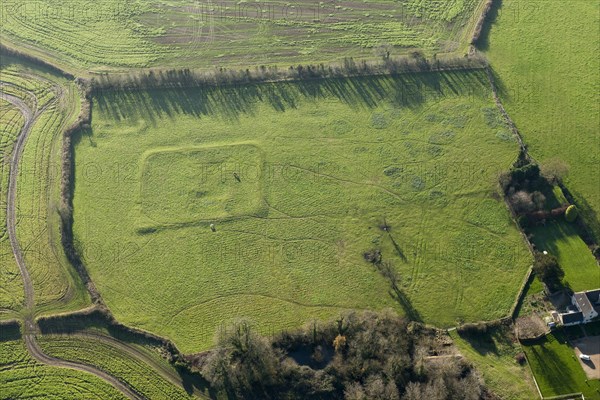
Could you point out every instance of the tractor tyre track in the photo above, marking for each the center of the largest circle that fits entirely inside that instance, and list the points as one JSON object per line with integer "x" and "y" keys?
{"x": 29, "y": 329}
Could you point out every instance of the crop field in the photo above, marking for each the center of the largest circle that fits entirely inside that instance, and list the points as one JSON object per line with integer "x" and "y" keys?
{"x": 299, "y": 180}
{"x": 23, "y": 378}
{"x": 116, "y": 34}
{"x": 134, "y": 373}
{"x": 55, "y": 283}
{"x": 494, "y": 355}
{"x": 550, "y": 79}
{"x": 557, "y": 370}
{"x": 11, "y": 286}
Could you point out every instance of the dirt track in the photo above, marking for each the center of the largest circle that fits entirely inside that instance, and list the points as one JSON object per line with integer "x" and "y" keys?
{"x": 30, "y": 117}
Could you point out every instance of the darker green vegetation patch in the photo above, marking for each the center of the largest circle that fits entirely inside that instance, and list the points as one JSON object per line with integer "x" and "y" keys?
{"x": 10, "y": 330}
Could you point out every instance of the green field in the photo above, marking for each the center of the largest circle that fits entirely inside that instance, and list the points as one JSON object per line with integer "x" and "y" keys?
{"x": 320, "y": 167}
{"x": 55, "y": 282}
{"x": 550, "y": 80}
{"x": 494, "y": 356}
{"x": 131, "y": 371}
{"x": 23, "y": 378}
{"x": 561, "y": 239}
{"x": 115, "y": 34}
{"x": 557, "y": 370}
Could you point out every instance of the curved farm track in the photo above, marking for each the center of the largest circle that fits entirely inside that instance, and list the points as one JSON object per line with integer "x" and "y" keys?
{"x": 30, "y": 117}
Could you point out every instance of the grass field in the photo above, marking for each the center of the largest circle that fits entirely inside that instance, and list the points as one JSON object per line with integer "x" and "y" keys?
{"x": 134, "y": 373}
{"x": 550, "y": 80}
{"x": 56, "y": 285}
{"x": 560, "y": 239}
{"x": 23, "y": 378}
{"x": 557, "y": 370}
{"x": 320, "y": 167}
{"x": 116, "y": 34}
{"x": 494, "y": 356}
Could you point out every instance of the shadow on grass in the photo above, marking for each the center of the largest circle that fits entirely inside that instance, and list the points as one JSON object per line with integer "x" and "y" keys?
{"x": 410, "y": 311}
{"x": 483, "y": 43}
{"x": 522, "y": 298}
{"x": 547, "y": 360}
{"x": 230, "y": 102}
{"x": 490, "y": 342}
{"x": 10, "y": 330}
{"x": 397, "y": 248}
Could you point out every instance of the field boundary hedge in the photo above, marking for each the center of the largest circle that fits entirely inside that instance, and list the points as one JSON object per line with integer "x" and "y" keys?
{"x": 480, "y": 22}
{"x": 66, "y": 191}
{"x": 35, "y": 60}
{"x": 521, "y": 293}
{"x": 100, "y": 316}
{"x": 187, "y": 78}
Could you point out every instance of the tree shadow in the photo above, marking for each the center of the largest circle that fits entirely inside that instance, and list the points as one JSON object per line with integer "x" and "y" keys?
{"x": 229, "y": 102}
{"x": 192, "y": 381}
{"x": 411, "y": 312}
{"x": 488, "y": 342}
{"x": 483, "y": 43}
{"x": 9, "y": 331}
{"x": 397, "y": 248}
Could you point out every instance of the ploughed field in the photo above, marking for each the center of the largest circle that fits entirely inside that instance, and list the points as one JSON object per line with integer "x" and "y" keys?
{"x": 194, "y": 33}
{"x": 299, "y": 181}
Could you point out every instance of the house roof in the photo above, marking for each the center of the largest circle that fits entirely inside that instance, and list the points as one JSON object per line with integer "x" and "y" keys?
{"x": 570, "y": 318}
{"x": 583, "y": 303}
{"x": 593, "y": 296}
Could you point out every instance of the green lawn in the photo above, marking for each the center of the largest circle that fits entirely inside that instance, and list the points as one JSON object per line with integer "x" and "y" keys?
{"x": 21, "y": 377}
{"x": 494, "y": 356}
{"x": 556, "y": 368}
{"x": 560, "y": 239}
{"x": 114, "y": 35}
{"x": 546, "y": 57}
{"x": 321, "y": 166}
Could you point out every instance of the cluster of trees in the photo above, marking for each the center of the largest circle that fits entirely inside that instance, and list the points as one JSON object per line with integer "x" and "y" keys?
{"x": 524, "y": 186}
{"x": 358, "y": 356}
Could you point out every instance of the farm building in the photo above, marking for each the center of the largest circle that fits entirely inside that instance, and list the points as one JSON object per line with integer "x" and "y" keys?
{"x": 588, "y": 306}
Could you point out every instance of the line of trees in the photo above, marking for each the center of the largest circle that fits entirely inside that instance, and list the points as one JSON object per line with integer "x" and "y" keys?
{"x": 186, "y": 77}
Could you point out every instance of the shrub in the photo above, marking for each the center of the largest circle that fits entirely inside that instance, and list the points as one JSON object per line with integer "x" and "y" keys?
{"x": 571, "y": 213}
{"x": 520, "y": 358}
{"x": 547, "y": 269}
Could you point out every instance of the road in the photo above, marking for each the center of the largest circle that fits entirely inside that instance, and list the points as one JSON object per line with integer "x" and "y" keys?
{"x": 30, "y": 328}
